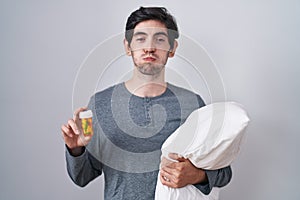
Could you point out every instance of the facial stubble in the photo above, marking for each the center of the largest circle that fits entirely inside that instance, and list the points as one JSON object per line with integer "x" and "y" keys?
{"x": 151, "y": 69}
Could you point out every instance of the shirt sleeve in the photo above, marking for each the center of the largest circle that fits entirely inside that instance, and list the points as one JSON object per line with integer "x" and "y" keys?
{"x": 82, "y": 169}
{"x": 201, "y": 103}
{"x": 216, "y": 178}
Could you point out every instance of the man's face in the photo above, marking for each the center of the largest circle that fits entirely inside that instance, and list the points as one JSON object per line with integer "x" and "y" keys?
{"x": 150, "y": 47}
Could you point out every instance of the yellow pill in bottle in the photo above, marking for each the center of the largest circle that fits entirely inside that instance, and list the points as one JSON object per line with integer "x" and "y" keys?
{"x": 86, "y": 122}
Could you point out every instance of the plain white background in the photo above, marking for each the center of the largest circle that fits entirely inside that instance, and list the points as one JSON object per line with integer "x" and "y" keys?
{"x": 255, "y": 45}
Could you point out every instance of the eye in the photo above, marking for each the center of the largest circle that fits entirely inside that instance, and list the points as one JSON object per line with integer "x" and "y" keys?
{"x": 161, "y": 39}
{"x": 140, "y": 39}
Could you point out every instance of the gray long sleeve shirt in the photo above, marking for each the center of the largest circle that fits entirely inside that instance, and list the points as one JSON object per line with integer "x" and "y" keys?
{"x": 128, "y": 134}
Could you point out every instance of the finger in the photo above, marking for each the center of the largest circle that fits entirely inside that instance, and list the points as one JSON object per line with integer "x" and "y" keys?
{"x": 73, "y": 126}
{"x": 168, "y": 169}
{"x": 165, "y": 161}
{"x": 168, "y": 180}
{"x": 164, "y": 177}
{"x": 83, "y": 140}
{"x": 174, "y": 165}
{"x": 168, "y": 175}
{"x": 76, "y": 113}
{"x": 164, "y": 181}
{"x": 175, "y": 172}
{"x": 175, "y": 156}
{"x": 167, "y": 183}
{"x": 66, "y": 131}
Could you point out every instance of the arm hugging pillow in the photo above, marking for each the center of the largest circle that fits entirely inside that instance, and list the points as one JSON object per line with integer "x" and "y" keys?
{"x": 210, "y": 138}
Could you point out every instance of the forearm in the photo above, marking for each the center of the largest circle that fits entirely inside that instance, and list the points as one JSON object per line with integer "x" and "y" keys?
{"x": 215, "y": 178}
{"x": 223, "y": 176}
{"x": 82, "y": 168}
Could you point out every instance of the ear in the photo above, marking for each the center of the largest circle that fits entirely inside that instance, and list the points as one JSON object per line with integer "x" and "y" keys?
{"x": 127, "y": 47}
{"x": 172, "y": 51}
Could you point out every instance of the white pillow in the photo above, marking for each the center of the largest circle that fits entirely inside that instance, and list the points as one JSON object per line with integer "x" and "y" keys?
{"x": 210, "y": 138}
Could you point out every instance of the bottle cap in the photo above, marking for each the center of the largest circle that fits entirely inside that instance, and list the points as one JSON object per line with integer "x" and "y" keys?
{"x": 85, "y": 114}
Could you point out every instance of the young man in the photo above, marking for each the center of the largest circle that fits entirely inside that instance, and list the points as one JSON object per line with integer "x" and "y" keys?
{"x": 133, "y": 119}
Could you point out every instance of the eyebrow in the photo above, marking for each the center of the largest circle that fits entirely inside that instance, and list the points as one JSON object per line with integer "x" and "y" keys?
{"x": 161, "y": 33}
{"x": 143, "y": 33}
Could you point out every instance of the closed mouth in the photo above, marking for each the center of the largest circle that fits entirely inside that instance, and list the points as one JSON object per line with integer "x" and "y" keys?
{"x": 149, "y": 58}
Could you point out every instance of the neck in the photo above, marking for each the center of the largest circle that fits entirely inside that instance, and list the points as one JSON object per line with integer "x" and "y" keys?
{"x": 146, "y": 85}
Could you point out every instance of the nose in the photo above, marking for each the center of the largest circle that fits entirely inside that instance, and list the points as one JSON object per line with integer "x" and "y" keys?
{"x": 150, "y": 47}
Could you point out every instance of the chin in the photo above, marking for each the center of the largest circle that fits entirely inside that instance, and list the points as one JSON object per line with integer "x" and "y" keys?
{"x": 150, "y": 70}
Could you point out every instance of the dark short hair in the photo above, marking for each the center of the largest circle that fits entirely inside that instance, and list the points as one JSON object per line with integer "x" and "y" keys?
{"x": 152, "y": 13}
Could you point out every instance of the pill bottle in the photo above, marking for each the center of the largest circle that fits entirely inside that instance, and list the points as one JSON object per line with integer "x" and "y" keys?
{"x": 86, "y": 122}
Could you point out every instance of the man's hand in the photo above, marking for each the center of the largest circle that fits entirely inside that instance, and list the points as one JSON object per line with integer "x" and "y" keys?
{"x": 181, "y": 173}
{"x": 73, "y": 134}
